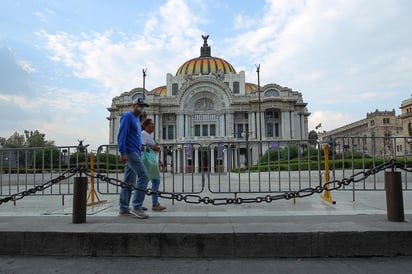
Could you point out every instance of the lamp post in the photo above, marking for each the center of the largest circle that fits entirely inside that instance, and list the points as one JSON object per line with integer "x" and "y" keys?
{"x": 260, "y": 119}
{"x": 144, "y": 82}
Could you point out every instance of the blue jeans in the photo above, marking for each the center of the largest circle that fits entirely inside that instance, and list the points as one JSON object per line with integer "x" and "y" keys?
{"x": 134, "y": 168}
{"x": 155, "y": 187}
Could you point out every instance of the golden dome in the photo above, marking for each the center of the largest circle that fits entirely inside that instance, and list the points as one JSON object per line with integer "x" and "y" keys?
{"x": 205, "y": 64}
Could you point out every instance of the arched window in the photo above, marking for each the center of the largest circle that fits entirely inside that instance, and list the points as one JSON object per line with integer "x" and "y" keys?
{"x": 272, "y": 93}
{"x": 137, "y": 95}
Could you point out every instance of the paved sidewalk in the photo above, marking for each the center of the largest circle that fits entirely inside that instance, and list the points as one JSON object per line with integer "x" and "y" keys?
{"x": 347, "y": 203}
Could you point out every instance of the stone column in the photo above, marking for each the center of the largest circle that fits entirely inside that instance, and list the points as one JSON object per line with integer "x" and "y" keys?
{"x": 212, "y": 159}
{"x": 254, "y": 124}
{"x": 229, "y": 124}
{"x": 111, "y": 127}
{"x": 262, "y": 115}
{"x": 195, "y": 158}
{"x": 179, "y": 125}
{"x": 225, "y": 160}
{"x": 159, "y": 128}
{"x": 185, "y": 123}
{"x": 221, "y": 126}
{"x": 293, "y": 121}
{"x": 285, "y": 125}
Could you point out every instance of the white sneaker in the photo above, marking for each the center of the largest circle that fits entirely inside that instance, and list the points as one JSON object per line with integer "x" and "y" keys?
{"x": 139, "y": 213}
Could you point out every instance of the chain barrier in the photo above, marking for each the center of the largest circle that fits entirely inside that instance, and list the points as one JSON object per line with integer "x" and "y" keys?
{"x": 197, "y": 199}
{"x": 64, "y": 176}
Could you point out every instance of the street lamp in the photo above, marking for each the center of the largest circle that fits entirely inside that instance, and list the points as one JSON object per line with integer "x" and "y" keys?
{"x": 144, "y": 82}
{"x": 260, "y": 119}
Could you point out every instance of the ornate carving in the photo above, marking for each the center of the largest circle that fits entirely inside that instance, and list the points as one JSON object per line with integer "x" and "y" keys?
{"x": 220, "y": 76}
{"x": 204, "y": 104}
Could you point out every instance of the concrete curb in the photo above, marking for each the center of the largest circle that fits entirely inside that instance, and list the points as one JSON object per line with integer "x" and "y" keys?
{"x": 190, "y": 237}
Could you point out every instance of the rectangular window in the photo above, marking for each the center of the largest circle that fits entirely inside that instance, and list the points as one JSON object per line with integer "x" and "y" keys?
{"x": 197, "y": 130}
{"x": 164, "y": 132}
{"x": 269, "y": 130}
{"x": 236, "y": 87}
{"x": 175, "y": 88}
{"x": 276, "y": 129}
{"x": 205, "y": 131}
{"x": 212, "y": 130}
{"x": 239, "y": 130}
{"x": 170, "y": 132}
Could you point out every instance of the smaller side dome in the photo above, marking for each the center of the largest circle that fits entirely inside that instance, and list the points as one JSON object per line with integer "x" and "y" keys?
{"x": 159, "y": 90}
{"x": 249, "y": 87}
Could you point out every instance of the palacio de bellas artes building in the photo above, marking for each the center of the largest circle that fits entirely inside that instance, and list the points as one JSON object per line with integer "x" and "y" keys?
{"x": 208, "y": 102}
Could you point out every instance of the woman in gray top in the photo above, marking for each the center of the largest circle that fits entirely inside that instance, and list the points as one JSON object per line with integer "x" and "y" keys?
{"x": 149, "y": 142}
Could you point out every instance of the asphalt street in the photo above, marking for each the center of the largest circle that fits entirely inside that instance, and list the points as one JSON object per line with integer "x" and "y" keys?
{"x": 46, "y": 264}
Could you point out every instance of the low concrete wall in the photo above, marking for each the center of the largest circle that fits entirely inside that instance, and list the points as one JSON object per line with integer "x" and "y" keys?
{"x": 210, "y": 245}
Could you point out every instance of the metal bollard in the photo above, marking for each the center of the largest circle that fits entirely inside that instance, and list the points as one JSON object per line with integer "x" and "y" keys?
{"x": 79, "y": 200}
{"x": 394, "y": 197}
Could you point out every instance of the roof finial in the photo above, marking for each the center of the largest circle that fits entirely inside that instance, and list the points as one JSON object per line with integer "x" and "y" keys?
{"x": 205, "y": 37}
{"x": 205, "y": 49}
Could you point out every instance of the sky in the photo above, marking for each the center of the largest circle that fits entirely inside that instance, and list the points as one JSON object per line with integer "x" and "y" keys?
{"x": 62, "y": 62}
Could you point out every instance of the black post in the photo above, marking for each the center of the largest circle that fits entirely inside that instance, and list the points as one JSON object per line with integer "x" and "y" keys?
{"x": 394, "y": 197}
{"x": 79, "y": 200}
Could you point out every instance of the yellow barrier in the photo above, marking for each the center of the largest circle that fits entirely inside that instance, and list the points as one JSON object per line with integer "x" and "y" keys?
{"x": 92, "y": 194}
{"x": 327, "y": 195}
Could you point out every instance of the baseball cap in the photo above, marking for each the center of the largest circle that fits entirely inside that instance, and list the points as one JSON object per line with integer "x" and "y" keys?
{"x": 139, "y": 101}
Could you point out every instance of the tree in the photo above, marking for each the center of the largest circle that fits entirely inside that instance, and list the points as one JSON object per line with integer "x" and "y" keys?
{"x": 2, "y": 141}
{"x": 36, "y": 139}
{"x": 28, "y": 139}
{"x": 14, "y": 141}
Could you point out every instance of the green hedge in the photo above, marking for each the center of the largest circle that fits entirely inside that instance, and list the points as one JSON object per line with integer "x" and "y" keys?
{"x": 293, "y": 165}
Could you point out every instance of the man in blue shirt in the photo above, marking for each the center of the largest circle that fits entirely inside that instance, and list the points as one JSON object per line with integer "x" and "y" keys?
{"x": 129, "y": 141}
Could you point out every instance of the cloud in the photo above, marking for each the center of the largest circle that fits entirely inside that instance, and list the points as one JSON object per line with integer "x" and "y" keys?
{"x": 14, "y": 76}
{"x": 329, "y": 120}
{"x": 337, "y": 54}
{"x": 340, "y": 53}
{"x": 243, "y": 22}
{"x": 44, "y": 15}
{"x": 115, "y": 61}
{"x": 10, "y": 112}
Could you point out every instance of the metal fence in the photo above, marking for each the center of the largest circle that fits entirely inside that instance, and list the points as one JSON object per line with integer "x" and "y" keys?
{"x": 219, "y": 167}
{"x": 25, "y": 168}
